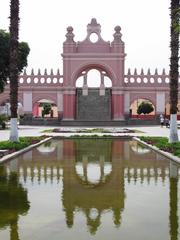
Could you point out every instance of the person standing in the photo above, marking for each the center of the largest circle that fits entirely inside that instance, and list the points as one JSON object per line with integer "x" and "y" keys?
{"x": 161, "y": 120}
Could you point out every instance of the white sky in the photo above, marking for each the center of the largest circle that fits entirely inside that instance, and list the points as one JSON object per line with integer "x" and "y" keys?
{"x": 144, "y": 23}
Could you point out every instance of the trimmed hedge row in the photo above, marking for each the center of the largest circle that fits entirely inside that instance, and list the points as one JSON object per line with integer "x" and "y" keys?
{"x": 23, "y": 143}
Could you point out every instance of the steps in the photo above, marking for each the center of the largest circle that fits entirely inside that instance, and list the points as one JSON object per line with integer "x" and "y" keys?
{"x": 79, "y": 123}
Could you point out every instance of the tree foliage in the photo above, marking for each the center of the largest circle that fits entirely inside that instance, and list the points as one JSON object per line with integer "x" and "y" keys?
{"x": 23, "y": 52}
{"x": 145, "y": 108}
{"x": 46, "y": 108}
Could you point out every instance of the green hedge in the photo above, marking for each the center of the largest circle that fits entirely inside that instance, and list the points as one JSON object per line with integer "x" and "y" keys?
{"x": 23, "y": 143}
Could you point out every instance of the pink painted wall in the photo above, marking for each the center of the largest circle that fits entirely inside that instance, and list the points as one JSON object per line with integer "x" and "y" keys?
{"x": 117, "y": 106}
{"x": 36, "y": 110}
{"x": 69, "y": 106}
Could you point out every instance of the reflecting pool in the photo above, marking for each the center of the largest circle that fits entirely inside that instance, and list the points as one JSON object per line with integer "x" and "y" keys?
{"x": 86, "y": 189}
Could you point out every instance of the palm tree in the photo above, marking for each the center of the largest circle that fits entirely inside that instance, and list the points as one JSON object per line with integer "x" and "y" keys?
{"x": 13, "y": 67}
{"x": 174, "y": 72}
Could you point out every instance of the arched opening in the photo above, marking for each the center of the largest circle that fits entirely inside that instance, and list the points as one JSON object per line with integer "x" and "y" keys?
{"x": 93, "y": 95}
{"x": 45, "y": 108}
{"x": 93, "y": 79}
{"x": 134, "y": 109}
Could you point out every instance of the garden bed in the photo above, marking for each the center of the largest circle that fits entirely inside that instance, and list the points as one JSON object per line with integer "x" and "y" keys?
{"x": 91, "y": 130}
{"x": 163, "y": 144}
{"x": 8, "y": 147}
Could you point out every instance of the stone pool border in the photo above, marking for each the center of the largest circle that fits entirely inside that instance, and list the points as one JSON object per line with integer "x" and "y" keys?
{"x": 17, "y": 153}
{"x": 166, "y": 154}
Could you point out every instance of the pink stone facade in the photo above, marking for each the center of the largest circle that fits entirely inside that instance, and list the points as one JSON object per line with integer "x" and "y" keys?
{"x": 80, "y": 57}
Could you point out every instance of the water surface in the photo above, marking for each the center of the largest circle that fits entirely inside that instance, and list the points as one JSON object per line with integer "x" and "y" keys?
{"x": 89, "y": 189}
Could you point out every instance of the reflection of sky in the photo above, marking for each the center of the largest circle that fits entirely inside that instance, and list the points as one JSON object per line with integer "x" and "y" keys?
{"x": 47, "y": 147}
{"x": 136, "y": 147}
{"x": 93, "y": 171}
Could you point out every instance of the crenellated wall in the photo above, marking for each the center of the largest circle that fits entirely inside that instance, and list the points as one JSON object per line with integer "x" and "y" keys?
{"x": 49, "y": 85}
{"x": 41, "y": 79}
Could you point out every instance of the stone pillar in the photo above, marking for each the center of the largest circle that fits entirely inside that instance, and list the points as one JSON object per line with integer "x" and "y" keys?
{"x": 102, "y": 87}
{"x": 60, "y": 104}
{"x": 85, "y": 86}
{"x": 117, "y": 105}
{"x": 127, "y": 104}
{"x": 69, "y": 104}
{"x": 27, "y": 103}
{"x": 160, "y": 103}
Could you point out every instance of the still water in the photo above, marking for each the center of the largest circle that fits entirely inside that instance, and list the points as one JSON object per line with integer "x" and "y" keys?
{"x": 89, "y": 189}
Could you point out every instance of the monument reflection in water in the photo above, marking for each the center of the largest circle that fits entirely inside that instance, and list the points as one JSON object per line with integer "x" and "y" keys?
{"x": 89, "y": 189}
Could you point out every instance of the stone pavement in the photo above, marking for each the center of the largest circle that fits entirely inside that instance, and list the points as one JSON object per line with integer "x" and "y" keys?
{"x": 38, "y": 130}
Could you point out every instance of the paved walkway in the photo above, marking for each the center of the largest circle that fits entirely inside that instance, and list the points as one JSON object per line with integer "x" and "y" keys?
{"x": 38, "y": 130}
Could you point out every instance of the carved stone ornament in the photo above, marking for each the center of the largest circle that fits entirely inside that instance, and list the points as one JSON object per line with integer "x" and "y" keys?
{"x": 117, "y": 35}
{"x": 70, "y": 35}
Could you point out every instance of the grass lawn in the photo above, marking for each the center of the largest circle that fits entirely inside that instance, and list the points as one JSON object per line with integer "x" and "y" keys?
{"x": 163, "y": 144}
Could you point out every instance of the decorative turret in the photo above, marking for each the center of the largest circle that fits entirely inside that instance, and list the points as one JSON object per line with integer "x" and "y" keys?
{"x": 135, "y": 71}
{"x": 24, "y": 72}
{"x": 32, "y": 72}
{"x": 149, "y": 71}
{"x": 129, "y": 71}
{"x": 39, "y": 71}
{"x": 94, "y": 27}
{"x": 69, "y": 45}
{"x": 58, "y": 72}
{"x": 93, "y": 42}
{"x": 117, "y": 35}
{"x": 163, "y": 71}
{"x": 45, "y": 71}
{"x": 117, "y": 44}
{"x": 142, "y": 71}
{"x": 69, "y": 35}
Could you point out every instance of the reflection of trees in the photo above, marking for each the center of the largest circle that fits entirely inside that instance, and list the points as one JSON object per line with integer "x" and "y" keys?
{"x": 173, "y": 203}
{"x": 13, "y": 202}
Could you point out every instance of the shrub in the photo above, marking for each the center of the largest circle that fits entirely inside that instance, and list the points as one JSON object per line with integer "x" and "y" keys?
{"x": 145, "y": 108}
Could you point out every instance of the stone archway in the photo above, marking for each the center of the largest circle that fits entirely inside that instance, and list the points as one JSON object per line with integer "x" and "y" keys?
{"x": 78, "y": 58}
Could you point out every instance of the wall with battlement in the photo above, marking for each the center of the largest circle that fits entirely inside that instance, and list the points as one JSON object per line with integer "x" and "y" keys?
{"x": 131, "y": 79}
{"x": 49, "y": 85}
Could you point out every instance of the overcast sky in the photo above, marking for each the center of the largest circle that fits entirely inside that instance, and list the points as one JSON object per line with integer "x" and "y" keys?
{"x": 144, "y": 23}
